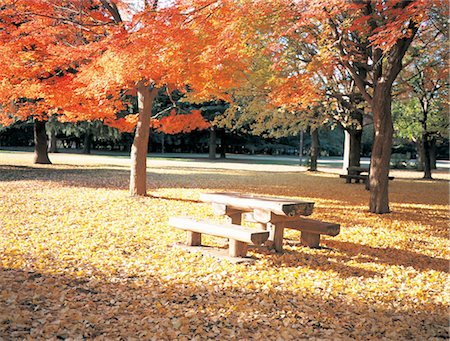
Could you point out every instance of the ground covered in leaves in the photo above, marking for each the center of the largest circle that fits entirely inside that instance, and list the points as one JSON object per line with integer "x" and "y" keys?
{"x": 80, "y": 259}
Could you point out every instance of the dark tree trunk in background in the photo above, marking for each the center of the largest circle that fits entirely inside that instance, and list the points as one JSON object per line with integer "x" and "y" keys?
{"x": 52, "y": 142}
{"x": 420, "y": 156}
{"x": 355, "y": 148}
{"x": 426, "y": 155}
{"x": 300, "y": 148}
{"x": 139, "y": 149}
{"x": 40, "y": 143}
{"x": 355, "y": 133}
{"x": 223, "y": 144}
{"x": 425, "y": 140}
{"x": 433, "y": 153}
{"x": 87, "y": 144}
{"x": 212, "y": 143}
{"x": 314, "y": 149}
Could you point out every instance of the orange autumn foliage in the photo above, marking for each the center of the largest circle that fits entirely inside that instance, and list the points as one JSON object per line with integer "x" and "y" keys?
{"x": 182, "y": 123}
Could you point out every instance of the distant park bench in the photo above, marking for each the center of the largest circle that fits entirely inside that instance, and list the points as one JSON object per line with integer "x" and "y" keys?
{"x": 358, "y": 174}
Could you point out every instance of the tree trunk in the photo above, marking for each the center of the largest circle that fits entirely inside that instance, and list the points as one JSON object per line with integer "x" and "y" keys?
{"x": 381, "y": 150}
{"x": 426, "y": 155}
{"x": 40, "y": 143}
{"x": 87, "y": 144}
{"x": 355, "y": 147}
{"x": 223, "y": 149}
{"x": 52, "y": 148}
{"x": 138, "y": 175}
{"x": 420, "y": 156}
{"x": 300, "y": 148}
{"x": 433, "y": 153}
{"x": 212, "y": 143}
{"x": 314, "y": 149}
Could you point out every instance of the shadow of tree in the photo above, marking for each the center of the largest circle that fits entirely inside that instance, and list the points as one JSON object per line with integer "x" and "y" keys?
{"x": 390, "y": 256}
{"x": 41, "y": 306}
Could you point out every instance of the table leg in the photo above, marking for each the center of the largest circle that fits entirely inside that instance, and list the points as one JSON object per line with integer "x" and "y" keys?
{"x": 234, "y": 217}
{"x": 277, "y": 236}
{"x": 310, "y": 239}
{"x": 237, "y": 248}
{"x": 194, "y": 238}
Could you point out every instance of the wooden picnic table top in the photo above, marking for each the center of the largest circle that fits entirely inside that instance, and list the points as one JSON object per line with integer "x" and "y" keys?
{"x": 250, "y": 202}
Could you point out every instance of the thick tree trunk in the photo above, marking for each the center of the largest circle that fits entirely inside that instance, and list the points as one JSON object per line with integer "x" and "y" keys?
{"x": 40, "y": 143}
{"x": 355, "y": 147}
{"x": 138, "y": 175}
{"x": 87, "y": 143}
{"x": 314, "y": 149}
{"x": 212, "y": 143}
{"x": 433, "y": 153}
{"x": 420, "y": 156}
{"x": 381, "y": 150}
{"x": 426, "y": 156}
{"x": 52, "y": 148}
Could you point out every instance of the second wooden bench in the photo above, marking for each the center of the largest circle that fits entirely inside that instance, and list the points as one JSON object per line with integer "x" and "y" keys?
{"x": 239, "y": 236}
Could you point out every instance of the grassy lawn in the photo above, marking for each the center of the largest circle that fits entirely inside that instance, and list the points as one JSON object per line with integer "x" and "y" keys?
{"x": 82, "y": 259}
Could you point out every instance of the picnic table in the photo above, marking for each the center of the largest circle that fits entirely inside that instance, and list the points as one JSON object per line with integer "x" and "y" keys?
{"x": 273, "y": 214}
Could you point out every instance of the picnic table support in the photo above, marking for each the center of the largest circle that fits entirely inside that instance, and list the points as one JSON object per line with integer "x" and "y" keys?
{"x": 194, "y": 238}
{"x": 310, "y": 239}
{"x": 237, "y": 248}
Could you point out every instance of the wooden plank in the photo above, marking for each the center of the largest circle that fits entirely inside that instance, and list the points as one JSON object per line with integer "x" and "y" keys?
{"x": 314, "y": 226}
{"x": 231, "y": 231}
{"x": 247, "y": 202}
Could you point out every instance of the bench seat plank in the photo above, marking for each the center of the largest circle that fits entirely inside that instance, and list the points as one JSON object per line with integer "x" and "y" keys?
{"x": 231, "y": 231}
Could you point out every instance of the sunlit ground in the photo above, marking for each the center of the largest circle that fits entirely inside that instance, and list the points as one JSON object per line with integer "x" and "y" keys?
{"x": 81, "y": 259}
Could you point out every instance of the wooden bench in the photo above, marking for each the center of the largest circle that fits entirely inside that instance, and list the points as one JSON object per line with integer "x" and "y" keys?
{"x": 239, "y": 236}
{"x": 358, "y": 174}
{"x": 310, "y": 229}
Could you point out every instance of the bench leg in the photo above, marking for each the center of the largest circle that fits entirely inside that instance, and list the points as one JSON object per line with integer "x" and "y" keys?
{"x": 237, "y": 248}
{"x": 194, "y": 238}
{"x": 310, "y": 239}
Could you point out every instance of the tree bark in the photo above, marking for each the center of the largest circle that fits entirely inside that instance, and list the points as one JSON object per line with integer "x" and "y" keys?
{"x": 314, "y": 149}
{"x": 426, "y": 156}
{"x": 420, "y": 156}
{"x": 223, "y": 149}
{"x": 139, "y": 149}
{"x": 52, "y": 148}
{"x": 87, "y": 143}
{"x": 355, "y": 148}
{"x": 300, "y": 148}
{"x": 433, "y": 153}
{"x": 381, "y": 150}
{"x": 212, "y": 143}
{"x": 40, "y": 143}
